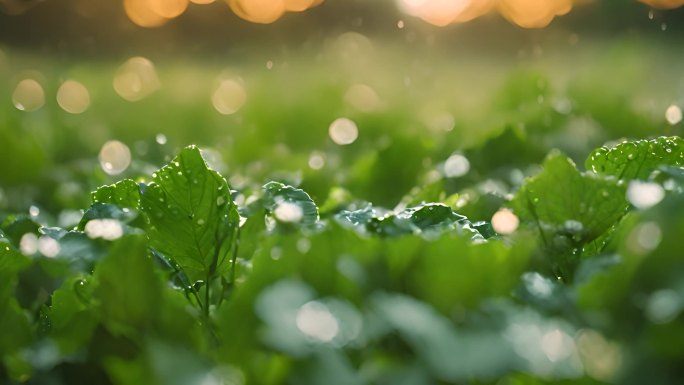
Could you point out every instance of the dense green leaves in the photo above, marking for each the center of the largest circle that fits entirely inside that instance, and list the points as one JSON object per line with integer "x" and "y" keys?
{"x": 637, "y": 159}
{"x": 192, "y": 217}
{"x": 189, "y": 292}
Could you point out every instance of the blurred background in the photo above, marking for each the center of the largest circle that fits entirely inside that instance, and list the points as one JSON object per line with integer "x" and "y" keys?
{"x": 371, "y": 95}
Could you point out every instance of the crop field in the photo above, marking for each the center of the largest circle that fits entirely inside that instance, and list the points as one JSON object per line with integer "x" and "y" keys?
{"x": 355, "y": 207}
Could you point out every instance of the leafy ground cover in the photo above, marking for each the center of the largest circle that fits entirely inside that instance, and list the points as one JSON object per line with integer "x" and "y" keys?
{"x": 451, "y": 243}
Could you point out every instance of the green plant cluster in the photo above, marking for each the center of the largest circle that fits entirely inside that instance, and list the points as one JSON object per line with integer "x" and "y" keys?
{"x": 179, "y": 279}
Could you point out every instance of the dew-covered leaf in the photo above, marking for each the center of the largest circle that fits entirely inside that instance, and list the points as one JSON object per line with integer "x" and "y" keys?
{"x": 125, "y": 194}
{"x": 428, "y": 219}
{"x": 637, "y": 159}
{"x": 11, "y": 260}
{"x": 563, "y": 201}
{"x": 192, "y": 217}
{"x": 289, "y": 204}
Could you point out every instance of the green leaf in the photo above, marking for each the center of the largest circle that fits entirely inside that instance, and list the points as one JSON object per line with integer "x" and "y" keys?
{"x": 13, "y": 318}
{"x": 107, "y": 211}
{"x": 562, "y": 200}
{"x": 192, "y": 217}
{"x": 11, "y": 261}
{"x": 637, "y": 159}
{"x": 428, "y": 219}
{"x": 72, "y": 319}
{"x": 127, "y": 288}
{"x": 277, "y": 194}
{"x": 569, "y": 208}
{"x": 125, "y": 194}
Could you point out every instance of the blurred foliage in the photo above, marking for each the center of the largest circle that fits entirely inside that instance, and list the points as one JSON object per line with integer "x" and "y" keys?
{"x": 293, "y": 259}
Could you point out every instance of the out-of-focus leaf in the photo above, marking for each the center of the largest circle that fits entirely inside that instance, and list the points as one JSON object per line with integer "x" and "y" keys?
{"x": 637, "y": 159}
{"x": 192, "y": 217}
{"x": 127, "y": 287}
{"x": 72, "y": 318}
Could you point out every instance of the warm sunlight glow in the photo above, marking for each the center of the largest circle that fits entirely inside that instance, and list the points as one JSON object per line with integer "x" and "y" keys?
{"x": 168, "y": 8}
{"x": 268, "y": 11}
{"x": 664, "y": 4}
{"x": 258, "y": 11}
{"x": 141, "y": 14}
{"x": 524, "y": 13}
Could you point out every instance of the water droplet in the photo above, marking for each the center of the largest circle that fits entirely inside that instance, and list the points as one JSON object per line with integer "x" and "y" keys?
{"x": 220, "y": 201}
{"x": 200, "y": 221}
{"x": 160, "y": 139}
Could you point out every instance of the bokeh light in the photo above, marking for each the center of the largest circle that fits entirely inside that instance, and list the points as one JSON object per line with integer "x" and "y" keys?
{"x": 268, "y": 11}
{"x": 673, "y": 114}
{"x": 136, "y": 79}
{"x": 362, "y": 97}
{"x": 141, "y": 13}
{"x": 73, "y": 97}
{"x": 28, "y": 95}
{"x": 168, "y": 8}
{"x": 524, "y": 13}
{"x": 456, "y": 166}
{"x": 664, "y": 4}
{"x": 644, "y": 194}
{"x": 108, "y": 229}
{"x": 315, "y": 320}
{"x": 115, "y": 157}
{"x": 343, "y": 131}
{"x": 505, "y": 222}
{"x": 229, "y": 97}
